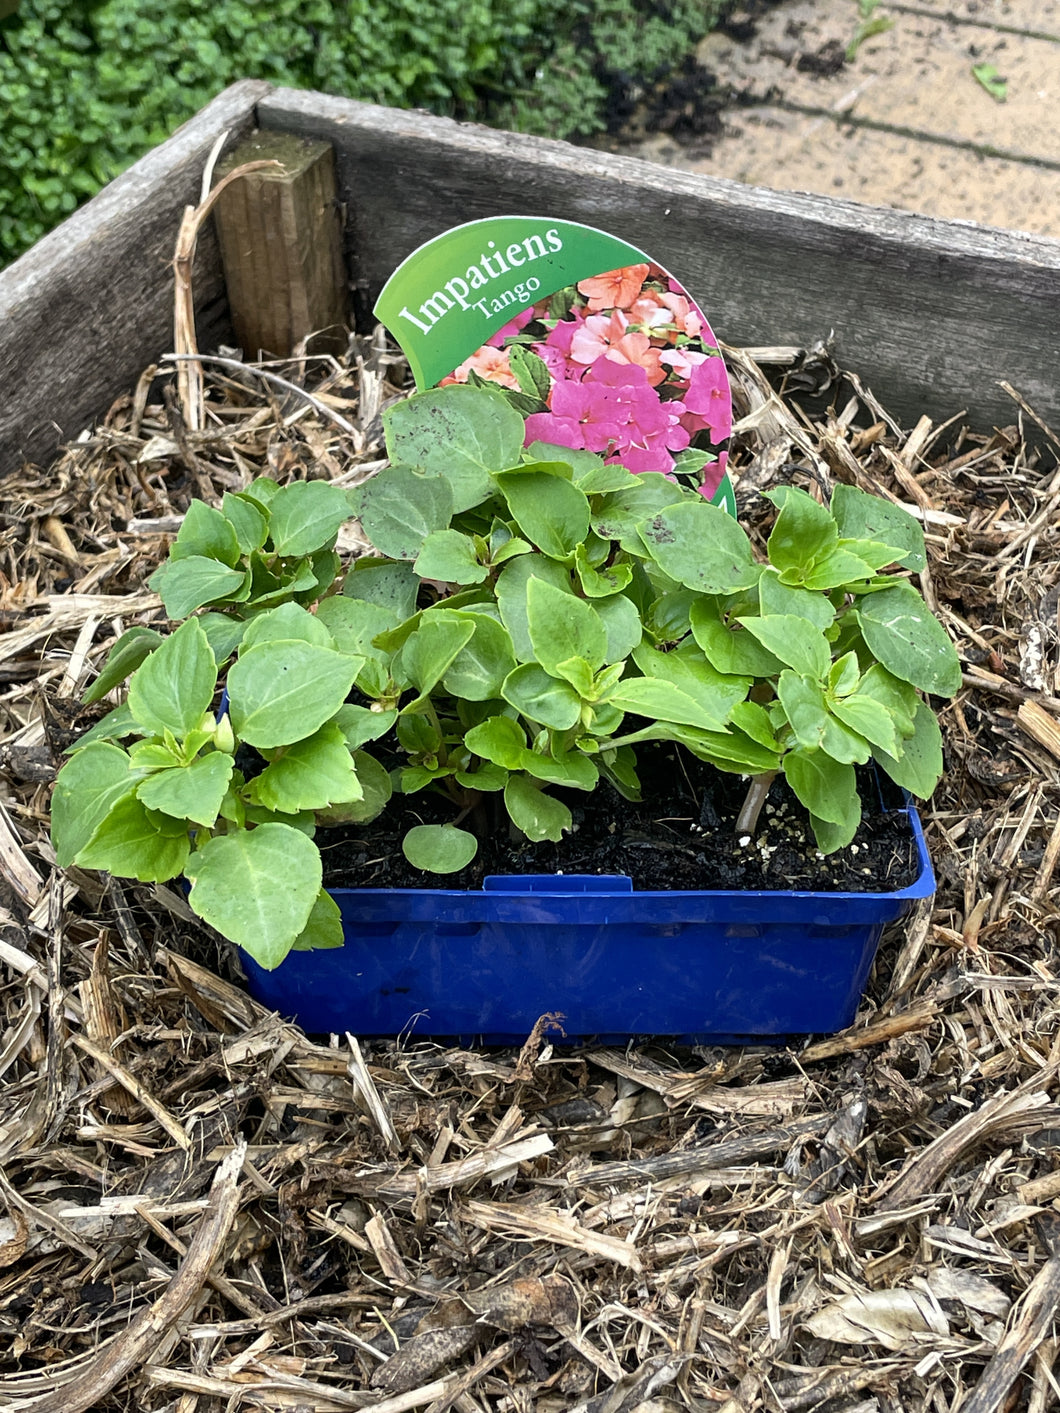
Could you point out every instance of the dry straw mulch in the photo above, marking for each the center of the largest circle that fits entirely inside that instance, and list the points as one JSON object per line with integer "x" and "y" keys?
{"x": 207, "y": 1210}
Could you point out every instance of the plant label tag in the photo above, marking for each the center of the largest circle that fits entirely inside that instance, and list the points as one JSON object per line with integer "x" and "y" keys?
{"x": 599, "y": 346}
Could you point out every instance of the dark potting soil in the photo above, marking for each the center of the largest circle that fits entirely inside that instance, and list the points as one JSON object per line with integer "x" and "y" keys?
{"x": 680, "y": 836}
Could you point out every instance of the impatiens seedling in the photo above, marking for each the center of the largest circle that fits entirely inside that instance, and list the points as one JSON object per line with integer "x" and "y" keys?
{"x": 534, "y": 613}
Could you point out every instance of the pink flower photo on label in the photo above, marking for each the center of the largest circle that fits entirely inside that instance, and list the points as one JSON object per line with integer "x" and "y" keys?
{"x": 626, "y": 367}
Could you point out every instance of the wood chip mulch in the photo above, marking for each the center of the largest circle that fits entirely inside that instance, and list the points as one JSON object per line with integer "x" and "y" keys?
{"x": 203, "y": 1209}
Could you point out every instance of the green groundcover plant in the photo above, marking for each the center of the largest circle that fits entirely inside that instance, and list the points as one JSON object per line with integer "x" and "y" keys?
{"x": 532, "y": 615}
{"x": 87, "y": 86}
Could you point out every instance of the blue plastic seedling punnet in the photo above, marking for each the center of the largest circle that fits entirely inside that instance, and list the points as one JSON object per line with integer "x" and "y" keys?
{"x": 484, "y": 965}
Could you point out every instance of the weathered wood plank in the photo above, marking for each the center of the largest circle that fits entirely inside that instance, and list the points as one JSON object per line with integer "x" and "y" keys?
{"x": 89, "y": 306}
{"x": 281, "y": 247}
{"x": 930, "y": 313}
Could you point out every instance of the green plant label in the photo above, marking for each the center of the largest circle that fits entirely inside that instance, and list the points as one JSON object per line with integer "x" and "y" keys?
{"x": 597, "y": 345}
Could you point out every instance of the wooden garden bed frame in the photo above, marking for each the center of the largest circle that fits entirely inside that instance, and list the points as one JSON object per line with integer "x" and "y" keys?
{"x": 931, "y": 314}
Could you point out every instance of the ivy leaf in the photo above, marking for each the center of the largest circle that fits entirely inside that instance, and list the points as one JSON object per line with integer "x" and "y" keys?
{"x": 902, "y": 632}
{"x": 538, "y": 815}
{"x": 450, "y": 557}
{"x": 193, "y": 791}
{"x": 130, "y": 650}
{"x": 323, "y": 931}
{"x": 205, "y": 531}
{"x": 135, "y": 842}
{"x": 439, "y": 848}
{"x": 305, "y": 516}
{"x": 308, "y": 775}
{"x": 257, "y": 887}
{"x": 702, "y": 547}
{"x": 458, "y": 432}
{"x": 400, "y": 506}
{"x": 187, "y": 584}
{"x": 87, "y": 788}
{"x": 173, "y": 688}
{"x": 282, "y": 691}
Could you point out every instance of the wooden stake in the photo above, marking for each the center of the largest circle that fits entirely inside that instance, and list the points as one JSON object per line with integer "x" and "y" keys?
{"x": 281, "y": 247}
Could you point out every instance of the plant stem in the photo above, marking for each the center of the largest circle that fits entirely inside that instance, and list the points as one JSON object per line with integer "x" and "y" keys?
{"x": 747, "y": 820}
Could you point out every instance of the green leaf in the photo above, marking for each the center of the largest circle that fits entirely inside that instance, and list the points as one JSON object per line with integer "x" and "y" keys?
{"x": 309, "y": 775}
{"x": 661, "y": 701}
{"x": 599, "y": 584}
{"x": 289, "y": 622}
{"x": 987, "y": 76}
{"x": 112, "y": 727}
{"x": 693, "y": 674}
{"x": 551, "y": 513}
{"x": 899, "y": 698}
{"x": 429, "y": 652}
{"x": 571, "y": 769}
{"x": 919, "y": 768}
{"x": 621, "y": 623}
{"x": 778, "y": 598}
{"x": 391, "y": 586}
{"x": 439, "y": 848}
{"x": 450, "y": 557}
{"x": 621, "y": 512}
{"x": 827, "y": 788}
{"x": 754, "y": 720}
{"x": 262, "y": 490}
{"x": 135, "y": 842}
{"x": 541, "y": 697}
{"x": 323, "y": 931}
{"x": 869, "y": 719}
{"x": 805, "y": 708}
{"x": 600, "y": 479}
{"x": 860, "y": 516}
{"x": 499, "y": 740}
{"x": 538, "y": 815}
{"x": 702, "y": 547}
{"x": 459, "y": 432}
{"x": 125, "y": 656}
{"x": 835, "y": 569}
{"x": 247, "y": 520}
{"x": 187, "y": 584}
{"x": 831, "y": 837}
{"x": 511, "y": 596}
{"x": 173, "y": 688}
{"x": 562, "y": 626}
{"x": 580, "y": 464}
{"x": 794, "y": 641}
{"x": 400, "y": 506}
{"x": 205, "y": 531}
{"x": 257, "y": 887}
{"x": 531, "y": 373}
{"x": 360, "y": 724}
{"x": 87, "y": 788}
{"x": 282, "y": 691}
{"x": 305, "y": 516}
{"x": 224, "y": 634}
{"x": 480, "y": 667}
{"x": 872, "y": 553}
{"x": 192, "y": 791}
{"x": 844, "y": 675}
{"x": 804, "y": 531}
{"x": 901, "y": 631}
{"x": 376, "y": 787}
{"x": 728, "y": 646}
{"x": 580, "y": 675}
